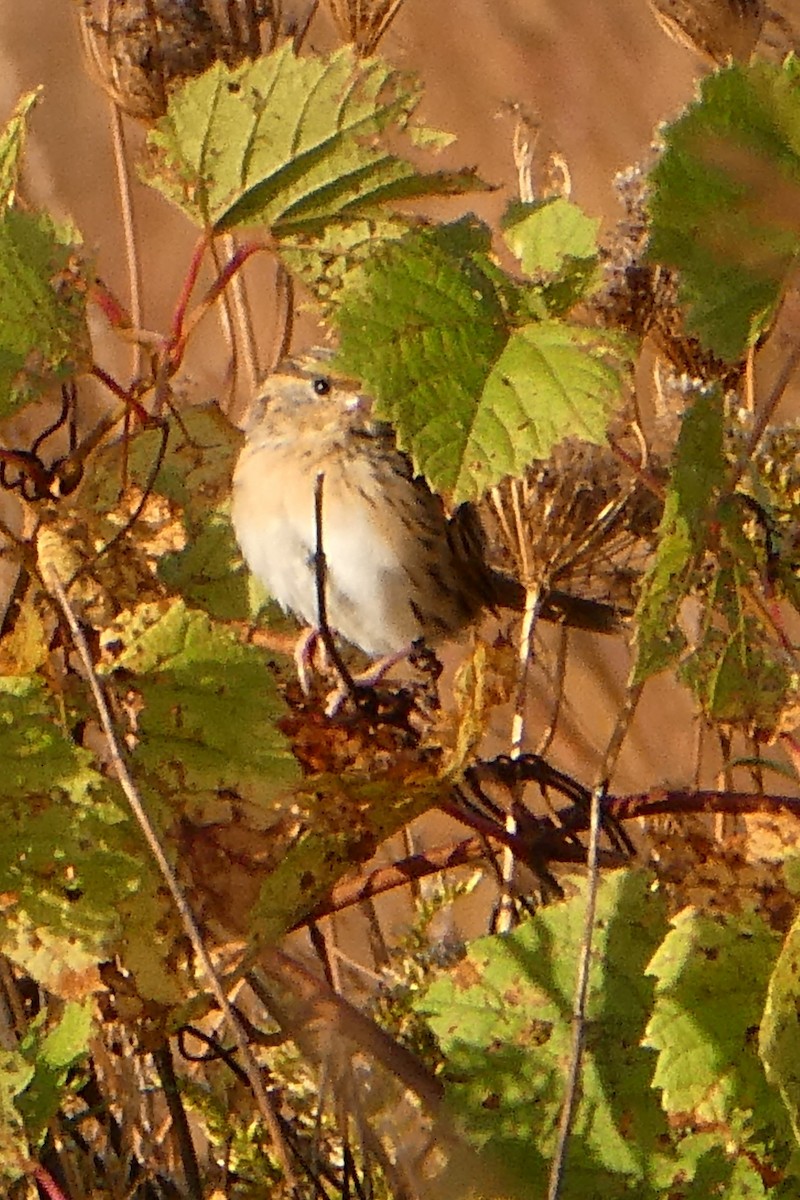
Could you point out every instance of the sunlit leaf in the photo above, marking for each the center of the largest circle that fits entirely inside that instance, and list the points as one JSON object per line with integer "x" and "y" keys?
{"x": 546, "y": 234}
{"x": 697, "y": 477}
{"x": 52, "y": 1053}
{"x": 290, "y": 142}
{"x": 502, "y": 1018}
{"x": 43, "y": 335}
{"x": 725, "y": 202}
{"x": 426, "y": 323}
{"x": 67, "y": 857}
{"x": 712, "y": 973}
{"x": 553, "y": 380}
{"x": 12, "y": 147}
{"x": 198, "y": 685}
{"x": 779, "y": 1040}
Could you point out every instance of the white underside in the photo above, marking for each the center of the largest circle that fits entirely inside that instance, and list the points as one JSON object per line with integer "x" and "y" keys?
{"x": 369, "y": 593}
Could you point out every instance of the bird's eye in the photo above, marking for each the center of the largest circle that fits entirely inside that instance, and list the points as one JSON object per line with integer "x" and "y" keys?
{"x": 321, "y": 385}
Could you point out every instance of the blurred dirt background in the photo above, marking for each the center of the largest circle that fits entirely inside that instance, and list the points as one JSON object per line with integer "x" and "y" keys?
{"x": 596, "y": 78}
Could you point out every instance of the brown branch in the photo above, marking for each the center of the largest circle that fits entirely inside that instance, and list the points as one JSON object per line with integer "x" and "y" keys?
{"x": 350, "y": 892}
{"x": 673, "y": 802}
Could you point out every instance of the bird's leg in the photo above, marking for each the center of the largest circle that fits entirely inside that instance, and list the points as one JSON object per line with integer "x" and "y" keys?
{"x": 366, "y": 679}
{"x": 304, "y": 657}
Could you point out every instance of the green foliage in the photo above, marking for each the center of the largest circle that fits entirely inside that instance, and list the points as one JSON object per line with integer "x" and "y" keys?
{"x": 35, "y": 1080}
{"x": 475, "y": 389}
{"x": 712, "y": 973}
{"x": 52, "y": 1052}
{"x": 689, "y": 1085}
{"x": 43, "y": 334}
{"x": 12, "y": 147}
{"x": 707, "y": 551}
{"x": 195, "y": 680}
{"x": 503, "y": 1022}
{"x": 725, "y": 198}
{"x": 548, "y": 236}
{"x": 696, "y": 1118}
{"x": 736, "y": 670}
{"x": 291, "y": 143}
{"x": 66, "y": 859}
{"x": 323, "y": 263}
{"x": 778, "y": 1037}
{"x": 698, "y": 475}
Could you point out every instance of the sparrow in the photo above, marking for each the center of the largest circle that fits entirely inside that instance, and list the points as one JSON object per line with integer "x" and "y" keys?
{"x": 399, "y": 567}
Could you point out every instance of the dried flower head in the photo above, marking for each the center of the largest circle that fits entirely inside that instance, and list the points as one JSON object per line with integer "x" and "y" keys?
{"x": 138, "y": 49}
{"x": 363, "y": 22}
{"x": 579, "y": 522}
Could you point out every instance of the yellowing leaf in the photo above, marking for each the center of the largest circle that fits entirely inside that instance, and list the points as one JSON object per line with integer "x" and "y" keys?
{"x": 547, "y": 233}
{"x": 12, "y": 147}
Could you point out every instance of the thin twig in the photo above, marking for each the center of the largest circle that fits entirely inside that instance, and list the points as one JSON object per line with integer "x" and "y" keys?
{"x": 128, "y": 230}
{"x": 284, "y": 302}
{"x": 559, "y": 675}
{"x": 620, "y": 731}
{"x": 579, "y": 1005}
{"x": 244, "y": 320}
{"x": 534, "y": 598}
{"x": 151, "y": 837}
{"x": 229, "y": 337}
{"x": 321, "y": 577}
{"x": 131, "y": 256}
{"x": 47, "y": 1183}
{"x": 771, "y": 403}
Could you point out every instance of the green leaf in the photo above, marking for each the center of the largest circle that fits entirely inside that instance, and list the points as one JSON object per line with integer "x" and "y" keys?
{"x": 15, "y": 1075}
{"x": 736, "y": 670}
{"x": 291, "y": 143}
{"x": 421, "y": 323}
{"x": 712, "y": 973}
{"x": 424, "y": 324}
{"x": 323, "y": 263}
{"x": 725, "y": 201}
{"x": 779, "y": 1037}
{"x": 68, "y": 858}
{"x": 552, "y": 381}
{"x": 698, "y": 474}
{"x": 52, "y": 1054}
{"x": 64, "y": 1045}
{"x": 197, "y": 474}
{"x": 196, "y": 682}
{"x": 44, "y": 339}
{"x": 502, "y": 1018}
{"x": 12, "y": 147}
{"x": 547, "y": 234}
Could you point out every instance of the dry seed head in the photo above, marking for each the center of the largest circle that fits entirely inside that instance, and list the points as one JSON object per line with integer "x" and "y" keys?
{"x": 363, "y": 22}
{"x": 137, "y": 49}
{"x": 586, "y": 524}
{"x": 719, "y": 30}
